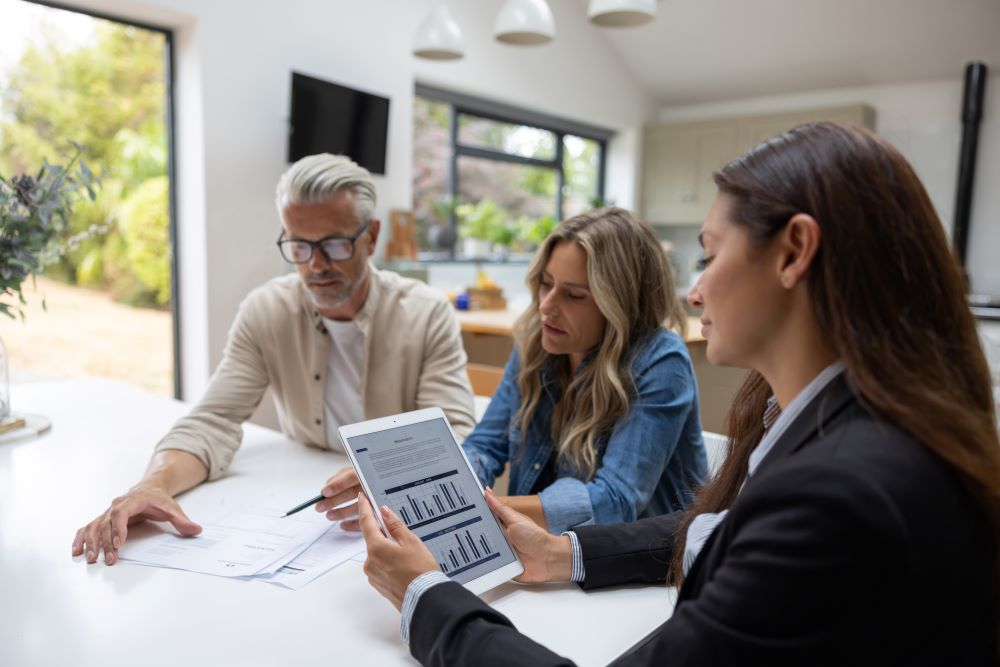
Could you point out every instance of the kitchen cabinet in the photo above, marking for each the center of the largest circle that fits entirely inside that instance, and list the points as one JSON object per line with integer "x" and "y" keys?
{"x": 678, "y": 166}
{"x": 680, "y": 158}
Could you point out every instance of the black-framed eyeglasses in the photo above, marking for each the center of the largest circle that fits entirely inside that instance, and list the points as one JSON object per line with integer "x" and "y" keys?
{"x": 334, "y": 248}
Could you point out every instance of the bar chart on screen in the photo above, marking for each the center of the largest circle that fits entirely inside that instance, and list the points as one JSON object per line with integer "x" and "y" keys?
{"x": 462, "y": 546}
{"x": 430, "y": 500}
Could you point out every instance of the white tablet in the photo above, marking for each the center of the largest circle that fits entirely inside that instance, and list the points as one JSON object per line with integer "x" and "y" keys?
{"x": 413, "y": 463}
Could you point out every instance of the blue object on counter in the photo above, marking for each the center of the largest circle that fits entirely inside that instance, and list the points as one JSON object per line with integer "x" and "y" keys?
{"x": 462, "y": 301}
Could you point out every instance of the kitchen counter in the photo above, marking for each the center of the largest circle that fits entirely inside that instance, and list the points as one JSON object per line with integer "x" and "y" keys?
{"x": 488, "y": 340}
{"x": 501, "y": 323}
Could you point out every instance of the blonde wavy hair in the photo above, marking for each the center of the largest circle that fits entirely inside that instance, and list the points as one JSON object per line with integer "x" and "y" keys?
{"x": 633, "y": 287}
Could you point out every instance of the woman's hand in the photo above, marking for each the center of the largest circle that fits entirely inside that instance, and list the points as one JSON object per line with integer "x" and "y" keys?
{"x": 392, "y": 566}
{"x": 546, "y": 557}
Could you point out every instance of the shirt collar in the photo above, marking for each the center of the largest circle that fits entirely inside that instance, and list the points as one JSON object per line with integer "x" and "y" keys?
{"x": 771, "y": 413}
{"x": 777, "y": 421}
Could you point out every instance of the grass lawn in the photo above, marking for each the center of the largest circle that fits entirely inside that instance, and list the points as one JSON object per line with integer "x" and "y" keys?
{"x": 84, "y": 333}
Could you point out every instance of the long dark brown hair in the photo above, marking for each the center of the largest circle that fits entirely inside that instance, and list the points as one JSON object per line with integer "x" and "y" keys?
{"x": 885, "y": 289}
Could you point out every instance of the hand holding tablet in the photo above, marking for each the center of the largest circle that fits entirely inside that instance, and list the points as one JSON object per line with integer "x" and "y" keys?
{"x": 412, "y": 464}
{"x": 545, "y": 557}
{"x": 392, "y": 565}
{"x": 394, "y": 562}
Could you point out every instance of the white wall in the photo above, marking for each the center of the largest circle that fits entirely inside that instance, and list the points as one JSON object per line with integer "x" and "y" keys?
{"x": 234, "y": 60}
{"x": 924, "y": 121}
{"x": 989, "y": 335}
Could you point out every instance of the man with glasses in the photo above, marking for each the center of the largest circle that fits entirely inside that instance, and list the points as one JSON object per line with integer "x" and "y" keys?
{"x": 338, "y": 342}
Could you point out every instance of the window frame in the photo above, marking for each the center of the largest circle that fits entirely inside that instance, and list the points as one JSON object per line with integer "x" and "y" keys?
{"x": 170, "y": 90}
{"x": 460, "y": 104}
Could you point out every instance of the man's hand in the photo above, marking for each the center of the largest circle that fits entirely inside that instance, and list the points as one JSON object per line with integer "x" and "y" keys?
{"x": 109, "y": 530}
{"x": 342, "y": 488}
{"x": 391, "y": 566}
{"x": 545, "y": 557}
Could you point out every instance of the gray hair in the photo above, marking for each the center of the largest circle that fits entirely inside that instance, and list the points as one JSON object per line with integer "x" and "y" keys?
{"x": 317, "y": 178}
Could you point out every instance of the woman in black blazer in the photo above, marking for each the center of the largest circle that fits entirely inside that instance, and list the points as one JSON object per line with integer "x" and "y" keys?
{"x": 855, "y": 519}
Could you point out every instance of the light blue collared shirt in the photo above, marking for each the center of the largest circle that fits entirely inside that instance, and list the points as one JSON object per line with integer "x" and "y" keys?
{"x": 417, "y": 588}
{"x": 776, "y": 422}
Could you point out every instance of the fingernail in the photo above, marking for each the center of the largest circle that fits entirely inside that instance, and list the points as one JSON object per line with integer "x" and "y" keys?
{"x": 116, "y": 543}
{"x": 90, "y": 555}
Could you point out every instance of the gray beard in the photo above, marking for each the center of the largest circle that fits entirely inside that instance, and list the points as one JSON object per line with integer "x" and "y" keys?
{"x": 331, "y": 298}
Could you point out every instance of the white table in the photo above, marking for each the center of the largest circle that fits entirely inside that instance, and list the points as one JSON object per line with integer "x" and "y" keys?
{"x": 57, "y": 610}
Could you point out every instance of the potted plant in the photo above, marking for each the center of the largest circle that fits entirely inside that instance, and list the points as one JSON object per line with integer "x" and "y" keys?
{"x": 34, "y": 219}
{"x": 479, "y": 226}
{"x": 503, "y": 237}
{"x": 532, "y": 231}
{"x": 440, "y": 234}
{"x": 598, "y": 201}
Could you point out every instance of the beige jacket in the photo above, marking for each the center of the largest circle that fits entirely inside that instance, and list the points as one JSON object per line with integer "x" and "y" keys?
{"x": 413, "y": 359}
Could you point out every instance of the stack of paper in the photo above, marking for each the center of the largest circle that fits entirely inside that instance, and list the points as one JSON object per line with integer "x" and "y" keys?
{"x": 334, "y": 547}
{"x": 251, "y": 541}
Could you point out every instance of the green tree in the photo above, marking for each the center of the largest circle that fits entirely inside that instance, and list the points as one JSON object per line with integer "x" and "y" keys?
{"x": 538, "y": 182}
{"x": 581, "y": 166}
{"x": 144, "y": 228}
{"x": 100, "y": 94}
{"x": 107, "y": 94}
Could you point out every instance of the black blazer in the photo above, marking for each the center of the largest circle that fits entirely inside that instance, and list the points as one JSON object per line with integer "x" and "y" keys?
{"x": 852, "y": 544}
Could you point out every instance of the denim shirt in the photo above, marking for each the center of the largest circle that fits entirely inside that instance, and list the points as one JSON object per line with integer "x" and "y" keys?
{"x": 649, "y": 465}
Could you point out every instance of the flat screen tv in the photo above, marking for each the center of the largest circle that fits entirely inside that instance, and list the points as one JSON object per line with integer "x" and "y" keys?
{"x": 330, "y": 118}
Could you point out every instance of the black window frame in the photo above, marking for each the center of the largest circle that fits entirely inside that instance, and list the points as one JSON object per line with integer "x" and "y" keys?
{"x": 460, "y": 104}
{"x": 170, "y": 90}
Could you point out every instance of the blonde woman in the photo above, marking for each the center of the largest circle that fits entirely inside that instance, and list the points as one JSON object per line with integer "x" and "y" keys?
{"x": 597, "y": 412}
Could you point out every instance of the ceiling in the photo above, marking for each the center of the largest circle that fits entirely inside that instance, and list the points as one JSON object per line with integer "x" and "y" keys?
{"x": 700, "y": 51}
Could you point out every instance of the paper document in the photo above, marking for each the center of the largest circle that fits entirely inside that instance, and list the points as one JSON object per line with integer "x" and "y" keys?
{"x": 238, "y": 540}
{"x": 335, "y": 547}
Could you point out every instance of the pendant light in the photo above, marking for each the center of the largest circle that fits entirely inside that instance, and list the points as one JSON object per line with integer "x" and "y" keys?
{"x": 621, "y": 13}
{"x": 525, "y": 23}
{"x": 439, "y": 37}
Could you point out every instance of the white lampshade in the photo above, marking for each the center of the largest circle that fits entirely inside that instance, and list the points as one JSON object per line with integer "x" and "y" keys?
{"x": 439, "y": 37}
{"x": 621, "y": 13}
{"x": 525, "y": 23}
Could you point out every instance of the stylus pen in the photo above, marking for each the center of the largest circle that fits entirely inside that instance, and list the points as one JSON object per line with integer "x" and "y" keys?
{"x": 299, "y": 508}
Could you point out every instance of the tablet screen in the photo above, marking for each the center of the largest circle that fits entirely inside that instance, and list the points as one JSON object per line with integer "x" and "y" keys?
{"x": 419, "y": 471}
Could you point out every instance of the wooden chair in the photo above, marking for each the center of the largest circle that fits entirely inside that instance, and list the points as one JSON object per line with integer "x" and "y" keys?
{"x": 715, "y": 446}
{"x": 484, "y": 379}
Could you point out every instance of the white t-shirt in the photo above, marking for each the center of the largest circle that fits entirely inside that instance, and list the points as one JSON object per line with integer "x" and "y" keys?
{"x": 343, "y": 403}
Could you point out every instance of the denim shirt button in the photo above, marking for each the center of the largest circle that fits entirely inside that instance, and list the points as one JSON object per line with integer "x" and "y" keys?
{"x": 538, "y": 466}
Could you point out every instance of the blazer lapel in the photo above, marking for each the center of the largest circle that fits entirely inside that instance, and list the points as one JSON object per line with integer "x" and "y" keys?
{"x": 836, "y": 397}
{"x": 822, "y": 410}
